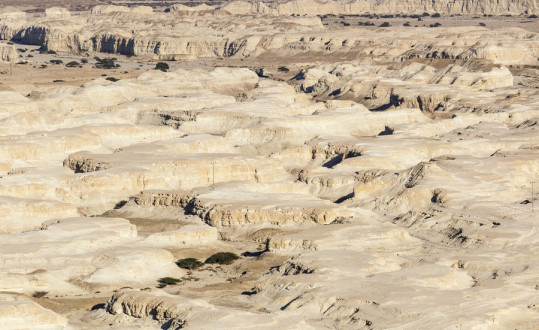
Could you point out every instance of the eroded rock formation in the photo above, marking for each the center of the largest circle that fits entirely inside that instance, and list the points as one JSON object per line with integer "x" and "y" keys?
{"x": 366, "y": 178}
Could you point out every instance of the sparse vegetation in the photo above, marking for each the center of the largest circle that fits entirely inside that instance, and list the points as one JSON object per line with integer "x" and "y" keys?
{"x": 385, "y": 24}
{"x": 112, "y": 79}
{"x": 72, "y": 64}
{"x": 436, "y": 15}
{"x": 437, "y": 24}
{"x": 482, "y": 24}
{"x": 56, "y": 61}
{"x": 283, "y": 69}
{"x": 84, "y": 60}
{"x": 164, "y": 281}
{"x": 106, "y": 63}
{"x": 189, "y": 263}
{"x": 162, "y": 66}
{"x": 58, "y": 80}
{"x": 120, "y": 204}
{"x": 222, "y": 258}
{"x": 22, "y": 50}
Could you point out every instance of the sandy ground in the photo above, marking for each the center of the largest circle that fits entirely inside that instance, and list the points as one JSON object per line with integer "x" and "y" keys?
{"x": 37, "y": 69}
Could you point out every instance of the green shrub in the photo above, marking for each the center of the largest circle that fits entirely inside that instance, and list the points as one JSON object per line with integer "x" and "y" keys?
{"x": 120, "y": 204}
{"x": 189, "y": 263}
{"x": 385, "y": 24}
{"x": 56, "y": 61}
{"x": 106, "y": 63}
{"x": 222, "y": 258}
{"x": 52, "y": 52}
{"x": 84, "y": 60}
{"x": 73, "y": 64}
{"x": 113, "y": 79}
{"x": 161, "y": 66}
{"x": 164, "y": 281}
{"x": 58, "y": 80}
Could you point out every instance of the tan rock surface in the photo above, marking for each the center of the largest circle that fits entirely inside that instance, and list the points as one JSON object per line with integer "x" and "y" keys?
{"x": 314, "y": 7}
{"x": 7, "y": 53}
{"x": 367, "y": 177}
{"x": 19, "y": 312}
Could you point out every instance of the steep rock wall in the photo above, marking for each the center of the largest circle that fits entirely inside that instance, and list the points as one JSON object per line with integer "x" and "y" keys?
{"x": 312, "y": 7}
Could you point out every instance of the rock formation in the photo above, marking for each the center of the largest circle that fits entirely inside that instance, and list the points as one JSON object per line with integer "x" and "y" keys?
{"x": 316, "y": 7}
{"x": 8, "y": 53}
{"x": 355, "y": 177}
{"x": 211, "y": 35}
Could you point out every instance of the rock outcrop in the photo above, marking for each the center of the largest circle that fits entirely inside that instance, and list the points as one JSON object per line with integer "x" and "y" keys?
{"x": 57, "y": 13}
{"x": 217, "y": 35}
{"x": 8, "y": 53}
{"x": 20, "y": 312}
{"x": 315, "y": 7}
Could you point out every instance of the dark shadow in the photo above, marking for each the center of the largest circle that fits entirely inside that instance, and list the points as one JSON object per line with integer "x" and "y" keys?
{"x": 333, "y": 161}
{"x": 343, "y": 198}
{"x": 288, "y": 304}
{"x": 387, "y": 131}
{"x": 253, "y": 254}
{"x": 98, "y": 306}
{"x": 382, "y": 107}
{"x": 335, "y": 92}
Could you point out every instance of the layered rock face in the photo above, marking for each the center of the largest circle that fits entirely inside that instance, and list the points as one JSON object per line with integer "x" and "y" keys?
{"x": 313, "y": 7}
{"x": 191, "y": 35}
{"x": 364, "y": 178}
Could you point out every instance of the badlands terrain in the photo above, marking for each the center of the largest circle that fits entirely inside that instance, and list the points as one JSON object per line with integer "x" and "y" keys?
{"x": 371, "y": 163}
